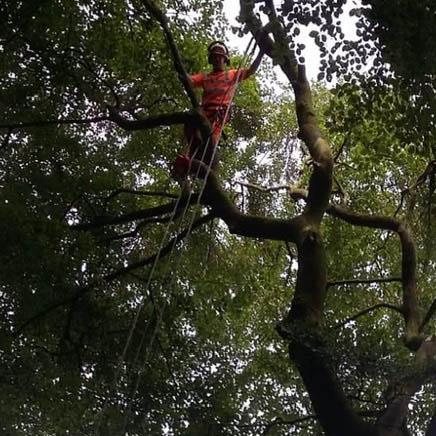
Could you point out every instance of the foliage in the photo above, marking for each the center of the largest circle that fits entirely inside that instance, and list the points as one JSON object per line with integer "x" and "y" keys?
{"x": 196, "y": 351}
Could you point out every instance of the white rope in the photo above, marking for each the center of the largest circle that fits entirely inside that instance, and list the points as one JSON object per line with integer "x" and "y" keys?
{"x": 178, "y": 259}
{"x": 140, "y": 307}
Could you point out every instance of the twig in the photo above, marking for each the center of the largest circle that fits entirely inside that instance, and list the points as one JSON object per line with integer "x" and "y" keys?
{"x": 428, "y": 172}
{"x": 341, "y": 148}
{"x": 42, "y": 123}
{"x": 361, "y": 281}
{"x": 431, "y": 311}
{"x": 135, "y": 192}
{"x": 341, "y": 189}
{"x": 369, "y": 309}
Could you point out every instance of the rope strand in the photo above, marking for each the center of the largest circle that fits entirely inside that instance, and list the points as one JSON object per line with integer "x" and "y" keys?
{"x": 174, "y": 270}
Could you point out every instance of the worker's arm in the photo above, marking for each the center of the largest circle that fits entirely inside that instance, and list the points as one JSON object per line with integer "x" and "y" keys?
{"x": 196, "y": 80}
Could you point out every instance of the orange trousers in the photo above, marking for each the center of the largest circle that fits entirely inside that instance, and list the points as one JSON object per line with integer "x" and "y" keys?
{"x": 207, "y": 153}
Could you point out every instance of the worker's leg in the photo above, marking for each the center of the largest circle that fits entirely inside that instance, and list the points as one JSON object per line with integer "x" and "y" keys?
{"x": 206, "y": 152}
{"x": 211, "y": 157}
{"x": 212, "y": 152}
{"x": 181, "y": 164}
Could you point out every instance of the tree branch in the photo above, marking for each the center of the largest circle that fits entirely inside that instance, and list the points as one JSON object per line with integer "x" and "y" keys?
{"x": 116, "y": 274}
{"x": 288, "y": 422}
{"x": 195, "y": 118}
{"x": 242, "y": 224}
{"x": 151, "y": 122}
{"x": 362, "y": 281}
{"x": 163, "y": 252}
{"x": 142, "y": 193}
{"x": 178, "y": 64}
{"x": 114, "y": 116}
{"x": 410, "y": 308}
{"x": 399, "y": 393}
{"x": 320, "y": 183}
{"x": 42, "y": 123}
{"x": 367, "y": 310}
{"x": 137, "y": 228}
{"x": 101, "y": 221}
{"x": 68, "y": 300}
{"x": 341, "y": 148}
{"x": 428, "y": 316}
{"x": 408, "y": 275}
{"x": 294, "y": 191}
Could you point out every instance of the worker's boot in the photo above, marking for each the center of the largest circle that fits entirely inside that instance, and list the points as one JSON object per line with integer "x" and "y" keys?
{"x": 180, "y": 172}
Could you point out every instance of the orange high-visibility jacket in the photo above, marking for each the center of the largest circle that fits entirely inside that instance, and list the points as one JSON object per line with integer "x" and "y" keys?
{"x": 218, "y": 87}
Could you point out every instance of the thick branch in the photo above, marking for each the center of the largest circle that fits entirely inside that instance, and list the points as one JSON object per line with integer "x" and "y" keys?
{"x": 287, "y": 422}
{"x": 195, "y": 119}
{"x": 287, "y": 56}
{"x": 321, "y": 179}
{"x": 242, "y": 224}
{"x": 151, "y": 122}
{"x": 255, "y": 26}
{"x": 400, "y": 393}
{"x": 332, "y": 407}
{"x": 286, "y": 59}
{"x": 410, "y": 306}
{"x": 320, "y": 184}
{"x": 178, "y": 64}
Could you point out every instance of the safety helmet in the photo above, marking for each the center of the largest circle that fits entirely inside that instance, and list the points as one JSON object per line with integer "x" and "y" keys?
{"x": 218, "y": 47}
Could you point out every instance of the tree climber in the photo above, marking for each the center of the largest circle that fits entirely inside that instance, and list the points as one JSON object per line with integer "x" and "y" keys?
{"x": 218, "y": 89}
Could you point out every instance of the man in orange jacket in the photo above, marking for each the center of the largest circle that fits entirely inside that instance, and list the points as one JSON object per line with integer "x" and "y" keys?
{"x": 218, "y": 88}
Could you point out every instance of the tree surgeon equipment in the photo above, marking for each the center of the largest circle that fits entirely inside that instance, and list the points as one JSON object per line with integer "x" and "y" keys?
{"x": 219, "y": 87}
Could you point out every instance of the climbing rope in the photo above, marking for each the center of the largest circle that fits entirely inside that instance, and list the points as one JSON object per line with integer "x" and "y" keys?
{"x": 174, "y": 269}
{"x": 189, "y": 229}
